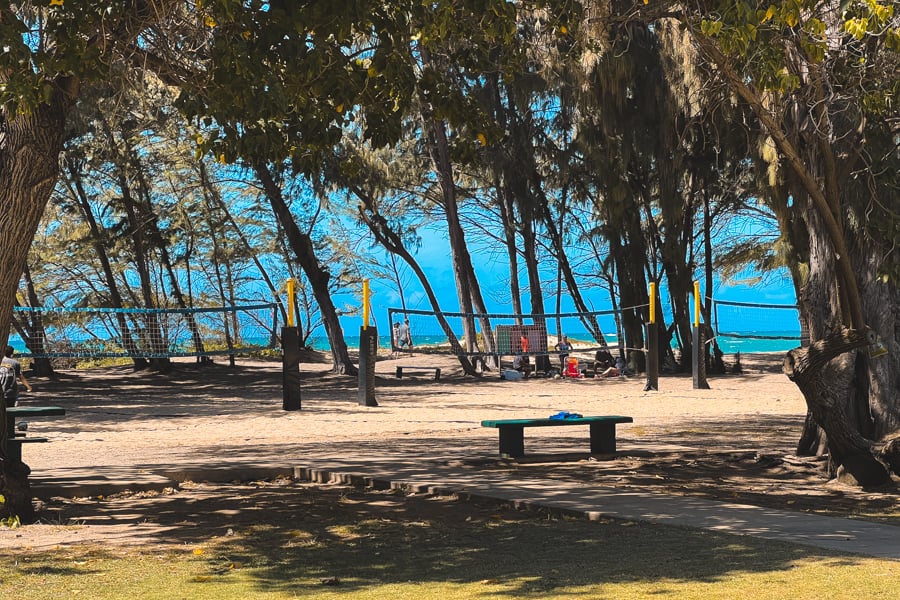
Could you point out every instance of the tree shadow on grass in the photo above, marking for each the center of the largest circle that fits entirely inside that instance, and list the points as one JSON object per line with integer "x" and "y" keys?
{"x": 291, "y": 537}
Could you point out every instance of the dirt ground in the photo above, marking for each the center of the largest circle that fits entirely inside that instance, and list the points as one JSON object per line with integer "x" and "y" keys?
{"x": 733, "y": 442}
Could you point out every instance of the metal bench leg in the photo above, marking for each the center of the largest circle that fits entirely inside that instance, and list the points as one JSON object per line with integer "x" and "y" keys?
{"x": 512, "y": 440}
{"x": 603, "y": 438}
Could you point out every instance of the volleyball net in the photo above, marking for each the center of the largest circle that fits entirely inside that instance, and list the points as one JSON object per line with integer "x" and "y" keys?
{"x": 758, "y": 327}
{"x": 474, "y": 334}
{"x": 143, "y": 333}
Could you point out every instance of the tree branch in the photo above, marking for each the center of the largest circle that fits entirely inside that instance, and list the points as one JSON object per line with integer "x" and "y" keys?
{"x": 847, "y": 277}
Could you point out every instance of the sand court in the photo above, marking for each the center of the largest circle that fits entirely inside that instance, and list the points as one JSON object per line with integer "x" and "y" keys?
{"x": 142, "y": 431}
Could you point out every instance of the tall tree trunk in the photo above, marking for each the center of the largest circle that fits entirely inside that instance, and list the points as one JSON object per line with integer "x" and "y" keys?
{"x": 506, "y": 200}
{"x": 823, "y": 375}
{"x": 674, "y": 241}
{"x": 843, "y": 286}
{"x": 152, "y": 328}
{"x": 31, "y": 329}
{"x": 214, "y": 199}
{"x": 532, "y": 268}
{"x": 391, "y": 241}
{"x": 513, "y": 158}
{"x": 98, "y": 242}
{"x": 302, "y": 246}
{"x": 468, "y": 290}
{"x": 216, "y": 266}
{"x": 825, "y": 208}
{"x": 628, "y": 251}
{"x": 554, "y": 232}
{"x": 507, "y": 216}
{"x": 30, "y": 144}
{"x": 159, "y": 242}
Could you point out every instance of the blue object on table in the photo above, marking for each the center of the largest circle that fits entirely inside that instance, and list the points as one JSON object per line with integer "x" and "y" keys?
{"x": 564, "y": 414}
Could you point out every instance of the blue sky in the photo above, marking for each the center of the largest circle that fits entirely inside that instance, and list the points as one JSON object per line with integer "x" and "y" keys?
{"x": 775, "y": 288}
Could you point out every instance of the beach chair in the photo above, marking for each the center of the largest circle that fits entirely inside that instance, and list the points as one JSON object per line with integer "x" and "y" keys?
{"x": 572, "y": 369}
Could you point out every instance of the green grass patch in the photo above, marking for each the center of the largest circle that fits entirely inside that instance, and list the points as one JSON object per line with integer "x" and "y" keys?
{"x": 367, "y": 545}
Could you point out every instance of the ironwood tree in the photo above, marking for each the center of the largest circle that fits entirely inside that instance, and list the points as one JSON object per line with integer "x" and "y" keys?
{"x": 820, "y": 79}
{"x": 51, "y": 50}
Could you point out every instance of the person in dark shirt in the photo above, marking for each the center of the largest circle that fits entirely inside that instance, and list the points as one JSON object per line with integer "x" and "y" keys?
{"x": 10, "y": 377}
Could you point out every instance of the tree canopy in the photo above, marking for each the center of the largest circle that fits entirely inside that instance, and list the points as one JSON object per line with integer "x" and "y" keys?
{"x": 190, "y": 149}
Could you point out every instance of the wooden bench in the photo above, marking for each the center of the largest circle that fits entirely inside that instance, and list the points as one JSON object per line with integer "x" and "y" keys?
{"x": 437, "y": 371}
{"x": 15, "y": 440}
{"x": 512, "y": 432}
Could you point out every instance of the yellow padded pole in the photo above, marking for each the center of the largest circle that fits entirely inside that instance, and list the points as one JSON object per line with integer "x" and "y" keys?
{"x": 291, "y": 294}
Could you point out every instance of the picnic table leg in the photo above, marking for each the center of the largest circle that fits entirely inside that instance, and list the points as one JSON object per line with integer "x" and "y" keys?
{"x": 603, "y": 438}
{"x": 13, "y": 449}
{"x": 512, "y": 440}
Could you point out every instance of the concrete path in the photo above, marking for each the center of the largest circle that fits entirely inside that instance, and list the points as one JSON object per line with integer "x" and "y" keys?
{"x": 446, "y": 476}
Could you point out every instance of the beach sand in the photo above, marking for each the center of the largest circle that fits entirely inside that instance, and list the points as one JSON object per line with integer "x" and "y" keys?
{"x": 734, "y": 441}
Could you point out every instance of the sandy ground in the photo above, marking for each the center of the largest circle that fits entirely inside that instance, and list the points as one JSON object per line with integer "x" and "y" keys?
{"x": 117, "y": 417}
{"x": 734, "y": 441}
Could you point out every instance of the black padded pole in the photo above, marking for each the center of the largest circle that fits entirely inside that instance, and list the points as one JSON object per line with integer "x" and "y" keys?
{"x": 368, "y": 355}
{"x": 652, "y": 357}
{"x": 698, "y": 359}
{"x": 290, "y": 367}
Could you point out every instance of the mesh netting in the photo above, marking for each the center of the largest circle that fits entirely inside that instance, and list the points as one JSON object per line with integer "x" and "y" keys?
{"x": 757, "y": 327}
{"x": 142, "y": 333}
{"x": 499, "y": 334}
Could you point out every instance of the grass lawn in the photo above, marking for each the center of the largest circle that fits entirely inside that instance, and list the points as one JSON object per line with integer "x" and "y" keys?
{"x": 294, "y": 541}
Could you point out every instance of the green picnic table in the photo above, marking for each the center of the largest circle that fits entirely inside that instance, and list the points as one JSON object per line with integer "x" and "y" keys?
{"x": 15, "y": 439}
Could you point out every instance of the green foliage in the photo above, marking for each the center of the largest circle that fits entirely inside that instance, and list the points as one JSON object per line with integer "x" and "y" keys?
{"x": 836, "y": 65}
{"x": 46, "y": 42}
{"x": 12, "y": 521}
{"x": 284, "y": 81}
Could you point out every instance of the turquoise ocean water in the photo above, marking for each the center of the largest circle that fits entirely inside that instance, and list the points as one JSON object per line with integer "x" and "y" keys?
{"x": 728, "y": 345}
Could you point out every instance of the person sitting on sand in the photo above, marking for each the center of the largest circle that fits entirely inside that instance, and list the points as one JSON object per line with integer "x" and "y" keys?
{"x": 610, "y": 372}
{"x": 522, "y": 364}
{"x": 603, "y": 360}
{"x": 620, "y": 369}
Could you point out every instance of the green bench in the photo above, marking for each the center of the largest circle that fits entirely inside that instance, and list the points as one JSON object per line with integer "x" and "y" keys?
{"x": 512, "y": 432}
{"x": 15, "y": 439}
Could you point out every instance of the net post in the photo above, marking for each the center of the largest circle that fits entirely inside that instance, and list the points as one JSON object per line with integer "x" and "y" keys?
{"x": 365, "y": 304}
{"x": 290, "y": 368}
{"x": 652, "y": 358}
{"x": 698, "y": 346}
{"x": 368, "y": 348}
{"x": 291, "y": 285}
{"x": 652, "y": 335}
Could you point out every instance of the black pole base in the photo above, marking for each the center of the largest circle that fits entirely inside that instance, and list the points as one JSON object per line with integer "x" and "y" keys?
{"x": 290, "y": 357}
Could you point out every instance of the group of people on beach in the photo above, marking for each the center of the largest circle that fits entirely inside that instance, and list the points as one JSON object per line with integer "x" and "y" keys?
{"x": 605, "y": 365}
{"x": 401, "y": 336}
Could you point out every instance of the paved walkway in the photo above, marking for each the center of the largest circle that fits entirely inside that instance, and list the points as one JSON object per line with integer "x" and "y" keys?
{"x": 843, "y": 535}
